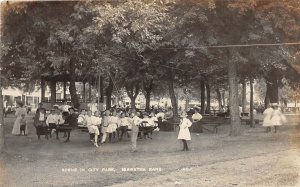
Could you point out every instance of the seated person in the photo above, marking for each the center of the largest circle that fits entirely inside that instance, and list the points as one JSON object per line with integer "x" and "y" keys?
{"x": 169, "y": 114}
{"x": 160, "y": 114}
{"x": 196, "y": 118}
{"x": 52, "y": 121}
{"x": 81, "y": 118}
{"x": 93, "y": 123}
{"x": 70, "y": 121}
{"x": 40, "y": 123}
{"x": 124, "y": 123}
{"x": 151, "y": 124}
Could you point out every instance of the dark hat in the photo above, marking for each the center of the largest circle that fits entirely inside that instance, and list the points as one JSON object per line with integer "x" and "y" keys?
{"x": 42, "y": 108}
{"x": 71, "y": 108}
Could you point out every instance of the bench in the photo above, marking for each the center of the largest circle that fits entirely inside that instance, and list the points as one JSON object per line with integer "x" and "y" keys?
{"x": 209, "y": 123}
{"x": 247, "y": 121}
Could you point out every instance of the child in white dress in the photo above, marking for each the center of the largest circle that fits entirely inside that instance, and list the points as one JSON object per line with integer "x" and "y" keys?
{"x": 113, "y": 123}
{"x": 278, "y": 118}
{"x": 92, "y": 123}
{"x": 267, "y": 118}
{"x": 184, "y": 133}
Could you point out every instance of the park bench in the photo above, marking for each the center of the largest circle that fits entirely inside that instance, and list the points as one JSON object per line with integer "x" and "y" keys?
{"x": 247, "y": 121}
{"x": 209, "y": 123}
{"x": 169, "y": 125}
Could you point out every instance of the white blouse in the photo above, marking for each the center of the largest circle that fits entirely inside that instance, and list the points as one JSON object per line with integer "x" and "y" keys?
{"x": 114, "y": 120}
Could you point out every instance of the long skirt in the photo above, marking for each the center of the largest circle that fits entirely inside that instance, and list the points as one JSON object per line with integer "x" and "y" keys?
{"x": 42, "y": 129}
{"x": 16, "y": 128}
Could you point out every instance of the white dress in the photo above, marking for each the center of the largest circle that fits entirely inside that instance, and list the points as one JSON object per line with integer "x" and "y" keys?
{"x": 267, "y": 117}
{"x": 81, "y": 120}
{"x": 93, "y": 107}
{"x": 92, "y": 123}
{"x": 113, "y": 123}
{"x": 278, "y": 118}
{"x": 184, "y": 132}
{"x": 16, "y": 127}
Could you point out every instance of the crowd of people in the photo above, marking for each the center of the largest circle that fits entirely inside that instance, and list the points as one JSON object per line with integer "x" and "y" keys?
{"x": 112, "y": 124}
{"x": 116, "y": 123}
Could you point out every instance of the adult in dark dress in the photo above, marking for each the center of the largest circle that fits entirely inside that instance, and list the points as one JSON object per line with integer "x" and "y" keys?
{"x": 40, "y": 123}
{"x": 69, "y": 124}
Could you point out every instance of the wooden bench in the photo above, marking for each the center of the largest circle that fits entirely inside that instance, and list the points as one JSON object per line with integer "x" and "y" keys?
{"x": 209, "y": 124}
{"x": 247, "y": 121}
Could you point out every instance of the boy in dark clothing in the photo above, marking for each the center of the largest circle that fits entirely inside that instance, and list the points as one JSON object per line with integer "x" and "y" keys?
{"x": 23, "y": 124}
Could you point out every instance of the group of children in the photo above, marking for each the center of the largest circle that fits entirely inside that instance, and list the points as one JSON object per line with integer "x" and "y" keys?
{"x": 273, "y": 117}
{"x": 110, "y": 124}
{"x": 116, "y": 124}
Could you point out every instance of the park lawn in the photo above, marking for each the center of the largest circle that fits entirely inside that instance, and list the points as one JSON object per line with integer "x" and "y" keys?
{"x": 214, "y": 159}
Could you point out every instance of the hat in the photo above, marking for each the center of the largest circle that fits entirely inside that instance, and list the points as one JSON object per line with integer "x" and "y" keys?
{"x": 184, "y": 114}
{"x": 53, "y": 109}
{"x": 71, "y": 108}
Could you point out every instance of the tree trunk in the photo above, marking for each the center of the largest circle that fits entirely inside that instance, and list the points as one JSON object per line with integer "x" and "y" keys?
{"x": 43, "y": 87}
{"x": 208, "y": 98}
{"x": 64, "y": 89}
{"x": 147, "y": 96}
{"x": 187, "y": 101}
{"x": 233, "y": 99}
{"x": 244, "y": 98}
{"x": 223, "y": 98}
{"x": 101, "y": 90}
{"x": 83, "y": 92}
{"x": 132, "y": 90}
{"x": 202, "y": 95}
{"x": 170, "y": 84}
{"x": 273, "y": 92}
{"x": 109, "y": 91}
{"x": 90, "y": 92}
{"x": 219, "y": 98}
{"x": 148, "y": 89}
{"x": 2, "y": 140}
{"x": 72, "y": 88}
{"x": 251, "y": 104}
{"x": 267, "y": 99}
{"x": 53, "y": 92}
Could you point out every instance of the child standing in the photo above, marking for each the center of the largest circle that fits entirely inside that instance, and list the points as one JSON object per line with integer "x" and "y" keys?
{"x": 124, "y": 123}
{"x": 105, "y": 125}
{"x": 134, "y": 129}
{"x": 184, "y": 133}
{"x": 23, "y": 125}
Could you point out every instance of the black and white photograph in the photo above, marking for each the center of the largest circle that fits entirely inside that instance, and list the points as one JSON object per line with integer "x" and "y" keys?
{"x": 150, "y": 93}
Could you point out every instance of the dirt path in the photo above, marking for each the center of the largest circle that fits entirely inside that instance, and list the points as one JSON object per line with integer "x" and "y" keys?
{"x": 271, "y": 169}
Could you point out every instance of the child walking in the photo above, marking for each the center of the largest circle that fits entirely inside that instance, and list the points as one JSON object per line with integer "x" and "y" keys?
{"x": 184, "y": 133}
{"x": 23, "y": 125}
